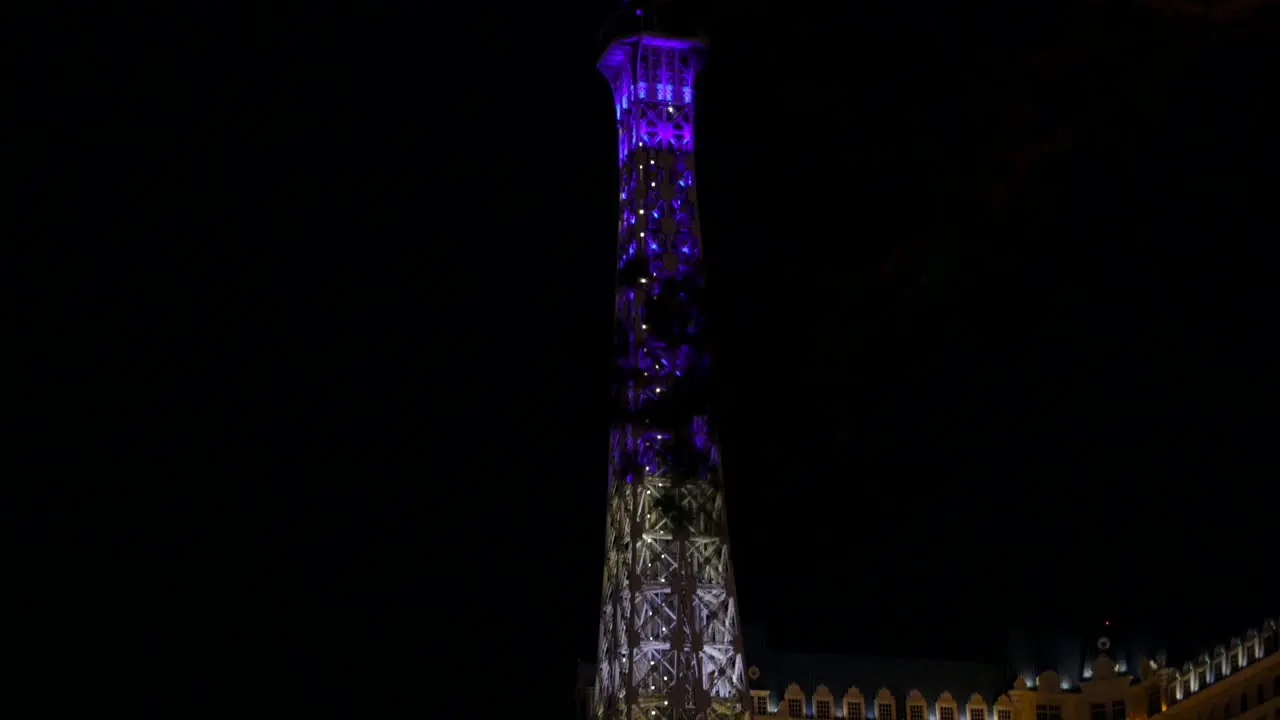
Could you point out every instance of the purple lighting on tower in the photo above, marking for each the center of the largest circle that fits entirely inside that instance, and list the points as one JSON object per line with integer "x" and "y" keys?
{"x": 670, "y": 643}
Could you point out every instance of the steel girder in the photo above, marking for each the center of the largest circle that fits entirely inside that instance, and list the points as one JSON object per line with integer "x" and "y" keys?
{"x": 670, "y": 638}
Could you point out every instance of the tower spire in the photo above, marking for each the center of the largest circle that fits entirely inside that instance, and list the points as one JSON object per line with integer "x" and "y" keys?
{"x": 670, "y": 641}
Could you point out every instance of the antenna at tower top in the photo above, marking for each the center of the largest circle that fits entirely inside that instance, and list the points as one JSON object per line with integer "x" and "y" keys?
{"x": 631, "y": 17}
{"x": 661, "y": 17}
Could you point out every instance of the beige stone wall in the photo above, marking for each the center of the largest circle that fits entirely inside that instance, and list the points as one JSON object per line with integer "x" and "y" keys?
{"x": 1212, "y": 701}
{"x": 1046, "y": 699}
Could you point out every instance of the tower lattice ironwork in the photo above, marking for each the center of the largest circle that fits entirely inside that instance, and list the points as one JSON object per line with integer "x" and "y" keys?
{"x": 670, "y": 637}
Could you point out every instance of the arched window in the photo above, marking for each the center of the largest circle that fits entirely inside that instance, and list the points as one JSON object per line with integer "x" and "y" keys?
{"x": 1262, "y": 696}
{"x": 1226, "y": 711}
{"x": 1244, "y": 702}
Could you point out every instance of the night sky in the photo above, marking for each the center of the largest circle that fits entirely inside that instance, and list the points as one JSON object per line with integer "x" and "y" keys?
{"x": 993, "y": 305}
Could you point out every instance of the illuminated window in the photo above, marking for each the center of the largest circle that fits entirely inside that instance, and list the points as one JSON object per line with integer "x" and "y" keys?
{"x": 1048, "y": 712}
{"x": 884, "y": 711}
{"x": 977, "y": 713}
{"x": 762, "y": 705}
{"x": 1004, "y": 714}
{"x": 946, "y": 713}
{"x": 795, "y": 707}
{"x": 854, "y": 711}
{"x": 822, "y": 709}
{"x": 915, "y": 712}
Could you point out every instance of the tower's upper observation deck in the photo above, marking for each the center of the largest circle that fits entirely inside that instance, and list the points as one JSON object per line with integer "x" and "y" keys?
{"x": 660, "y": 23}
{"x": 620, "y": 53}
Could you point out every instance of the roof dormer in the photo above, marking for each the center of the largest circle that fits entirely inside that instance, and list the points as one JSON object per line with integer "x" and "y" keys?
{"x": 823, "y": 704}
{"x": 1003, "y": 709}
{"x": 793, "y": 702}
{"x": 976, "y": 708}
{"x": 854, "y": 705}
{"x": 917, "y": 707}
{"x": 1050, "y": 682}
{"x": 947, "y": 707}
{"x": 886, "y": 707}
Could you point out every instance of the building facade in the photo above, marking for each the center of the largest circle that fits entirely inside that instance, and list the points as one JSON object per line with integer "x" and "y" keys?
{"x": 1236, "y": 681}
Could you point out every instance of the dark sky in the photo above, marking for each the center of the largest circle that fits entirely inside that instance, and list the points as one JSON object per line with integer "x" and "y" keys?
{"x": 993, "y": 298}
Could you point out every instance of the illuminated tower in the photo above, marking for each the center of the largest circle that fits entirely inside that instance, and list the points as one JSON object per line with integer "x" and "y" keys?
{"x": 670, "y": 641}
